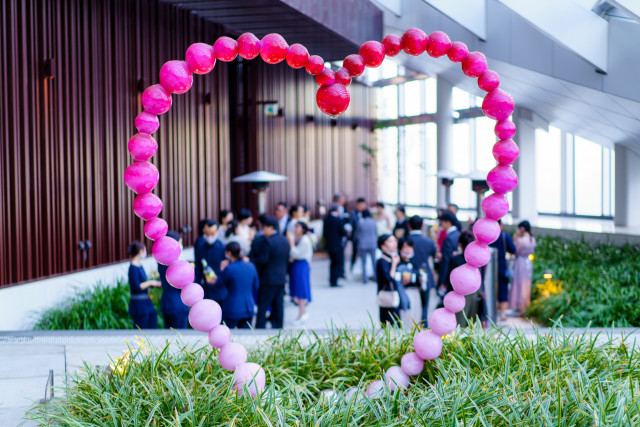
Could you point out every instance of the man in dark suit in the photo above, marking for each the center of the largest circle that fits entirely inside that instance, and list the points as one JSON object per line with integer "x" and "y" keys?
{"x": 354, "y": 219}
{"x": 240, "y": 278}
{"x": 334, "y": 233}
{"x": 450, "y": 245}
{"x": 423, "y": 249}
{"x": 209, "y": 248}
{"x": 402, "y": 225}
{"x": 272, "y": 261}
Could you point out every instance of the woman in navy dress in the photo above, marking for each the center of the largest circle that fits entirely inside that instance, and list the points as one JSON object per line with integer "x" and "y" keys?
{"x": 141, "y": 308}
{"x": 299, "y": 273}
{"x": 240, "y": 280}
{"x": 385, "y": 274}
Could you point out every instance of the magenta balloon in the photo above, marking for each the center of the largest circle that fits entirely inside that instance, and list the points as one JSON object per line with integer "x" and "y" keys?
{"x": 142, "y": 146}
{"x": 225, "y": 49}
{"x": 498, "y": 105}
{"x": 147, "y": 206}
{"x": 454, "y": 302}
{"x": 354, "y": 64}
{"x": 166, "y": 251}
{"x": 489, "y": 81}
{"x": 191, "y": 294}
{"x": 231, "y": 355}
{"x": 297, "y": 56}
{"x": 333, "y": 99}
{"x": 458, "y": 52}
{"x": 505, "y": 151}
{"x": 502, "y": 179}
{"x": 427, "y": 345}
{"x": 326, "y": 77}
{"x": 465, "y": 280}
{"x": 273, "y": 48}
{"x": 505, "y": 129}
{"x": 219, "y": 336}
{"x": 201, "y": 58}
{"x": 411, "y": 364}
{"x": 375, "y": 389}
{"x": 477, "y": 254}
{"x": 396, "y": 378}
{"x": 474, "y": 65}
{"x": 176, "y": 77}
{"x": 252, "y": 376}
{"x": 392, "y": 44}
{"x": 180, "y": 274}
{"x": 156, "y": 100}
{"x": 372, "y": 52}
{"x": 495, "y": 206}
{"x": 141, "y": 177}
{"x": 439, "y": 44}
{"x": 442, "y": 321}
{"x": 486, "y": 230}
{"x": 156, "y": 228}
{"x": 147, "y": 122}
{"x": 248, "y": 46}
{"x": 205, "y": 314}
{"x": 315, "y": 65}
{"x": 414, "y": 41}
{"x": 343, "y": 77}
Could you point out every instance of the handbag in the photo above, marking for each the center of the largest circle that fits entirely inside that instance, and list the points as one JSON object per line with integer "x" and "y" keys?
{"x": 389, "y": 299}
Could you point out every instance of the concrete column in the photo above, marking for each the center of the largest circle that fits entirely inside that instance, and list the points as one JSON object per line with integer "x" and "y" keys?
{"x": 444, "y": 121}
{"x": 626, "y": 187}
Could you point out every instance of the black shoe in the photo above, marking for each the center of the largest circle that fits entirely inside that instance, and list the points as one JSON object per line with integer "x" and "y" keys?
{"x": 336, "y": 286}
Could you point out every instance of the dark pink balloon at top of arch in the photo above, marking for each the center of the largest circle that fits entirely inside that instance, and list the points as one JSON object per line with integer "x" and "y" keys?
{"x": 298, "y": 56}
{"x": 372, "y": 53}
{"x": 474, "y": 65}
{"x": 273, "y": 48}
{"x": 489, "y": 81}
{"x": 176, "y": 77}
{"x": 439, "y": 44}
{"x": 315, "y": 65}
{"x": 457, "y": 52}
{"x": 333, "y": 99}
{"x": 225, "y": 49}
{"x": 142, "y": 146}
{"x": 414, "y": 41}
{"x": 354, "y": 64}
{"x": 392, "y": 45}
{"x": 200, "y": 57}
{"x": 498, "y": 105}
{"x": 156, "y": 100}
{"x": 248, "y": 46}
{"x": 505, "y": 129}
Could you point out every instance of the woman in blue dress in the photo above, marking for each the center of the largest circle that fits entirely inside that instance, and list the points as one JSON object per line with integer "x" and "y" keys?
{"x": 141, "y": 308}
{"x": 299, "y": 273}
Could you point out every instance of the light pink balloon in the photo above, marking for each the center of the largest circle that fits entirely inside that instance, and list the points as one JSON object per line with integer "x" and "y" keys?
{"x": 200, "y": 58}
{"x": 465, "y": 279}
{"x": 458, "y": 52}
{"x": 442, "y": 321}
{"x": 166, "y": 251}
{"x": 505, "y": 129}
{"x": 176, "y": 77}
{"x": 248, "y": 46}
{"x": 375, "y": 389}
{"x": 156, "y": 100}
{"x": 156, "y": 228}
{"x": 219, "y": 336}
{"x": 141, "y": 177}
{"x": 180, "y": 274}
{"x": 225, "y": 49}
{"x": 474, "y": 65}
{"x": 477, "y": 254}
{"x": 439, "y": 44}
{"x": 486, "y": 230}
{"x": 353, "y": 390}
{"x": 502, "y": 179}
{"x": 204, "y": 314}
{"x": 142, "y": 146}
{"x": 454, "y": 302}
{"x": 489, "y": 81}
{"x": 396, "y": 378}
{"x": 411, "y": 364}
{"x": 192, "y": 294}
{"x": 427, "y": 345}
{"x": 147, "y": 123}
{"x": 505, "y": 151}
{"x": 498, "y": 105}
{"x": 147, "y": 206}
{"x": 252, "y": 376}
{"x": 495, "y": 206}
{"x": 231, "y": 355}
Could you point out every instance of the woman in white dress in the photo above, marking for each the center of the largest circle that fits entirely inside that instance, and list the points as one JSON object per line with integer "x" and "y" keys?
{"x": 383, "y": 220}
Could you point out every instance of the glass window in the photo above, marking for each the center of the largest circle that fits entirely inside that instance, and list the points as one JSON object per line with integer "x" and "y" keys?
{"x": 460, "y": 99}
{"x": 548, "y": 170}
{"x": 588, "y": 177}
{"x": 388, "y": 165}
{"x": 569, "y": 174}
{"x": 431, "y": 99}
{"x": 388, "y": 102}
{"x": 412, "y": 100}
{"x": 431, "y": 162}
{"x": 485, "y": 139}
{"x": 606, "y": 182}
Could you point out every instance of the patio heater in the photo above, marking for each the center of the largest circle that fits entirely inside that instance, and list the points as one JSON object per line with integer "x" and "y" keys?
{"x": 479, "y": 186}
{"x": 446, "y": 178}
{"x": 259, "y": 181}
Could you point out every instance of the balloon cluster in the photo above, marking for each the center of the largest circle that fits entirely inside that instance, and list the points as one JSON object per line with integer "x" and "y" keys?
{"x": 333, "y": 98}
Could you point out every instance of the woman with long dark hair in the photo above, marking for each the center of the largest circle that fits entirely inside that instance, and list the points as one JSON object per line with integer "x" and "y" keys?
{"x": 141, "y": 308}
{"x": 520, "y": 295}
{"x": 299, "y": 274}
{"x": 385, "y": 276}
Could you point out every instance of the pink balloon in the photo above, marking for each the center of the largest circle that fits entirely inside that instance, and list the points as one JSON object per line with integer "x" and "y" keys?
{"x": 442, "y": 321}
{"x": 298, "y": 56}
{"x": 495, "y": 206}
{"x": 465, "y": 280}
{"x": 375, "y": 389}
{"x": 156, "y": 100}
{"x": 205, "y": 314}
{"x": 334, "y": 99}
{"x": 372, "y": 53}
{"x": 147, "y": 123}
{"x": 248, "y": 46}
{"x": 505, "y": 129}
{"x": 219, "y": 336}
{"x": 427, "y": 345}
{"x": 354, "y": 64}
{"x": 315, "y": 65}
{"x": 486, "y": 230}
{"x": 201, "y": 58}
{"x": 180, "y": 274}
{"x": 411, "y": 364}
{"x": 225, "y": 49}
{"x": 351, "y": 391}
{"x": 396, "y": 378}
{"x": 414, "y": 41}
{"x": 505, "y": 151}
{"x": 273, "y": 48}
{"x": 326, "y": 77}
{"x": 498, "y": 105}
{"x": 142, "y": 146}
{"x": 458, "y": 52}
{"x": 502, "y": 179}
{"x": 477, "y": 254}
{"x": 474, "y": 65}
{"x": 141, "y": 177}
{"x": 166, "y": 251}
{"x": 392, "y": 45}
{"x": 176, "y": 77}
{"x": 156, "y": 228}
{"x": 191, "y": 294}
{"x": 454, "y": 302}
{"x": 232, "y": 355}
{"x": 147, "y": 206}
{"x": 343, "y": 77}
{"x": 439, "y": 44}
{"x": 489, "y": 81}
{"x": 252, "y": 376}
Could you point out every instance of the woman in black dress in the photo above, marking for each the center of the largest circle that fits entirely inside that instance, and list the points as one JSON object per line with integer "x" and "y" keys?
{"x": 385, "y": 274}
{"x": 141, "y": 308}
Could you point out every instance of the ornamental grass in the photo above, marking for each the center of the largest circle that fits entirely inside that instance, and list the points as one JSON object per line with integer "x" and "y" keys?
{"x": 482, "y": 379}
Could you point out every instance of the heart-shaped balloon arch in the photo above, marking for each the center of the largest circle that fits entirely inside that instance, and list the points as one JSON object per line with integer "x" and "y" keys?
{"x": 333, "y": 99}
